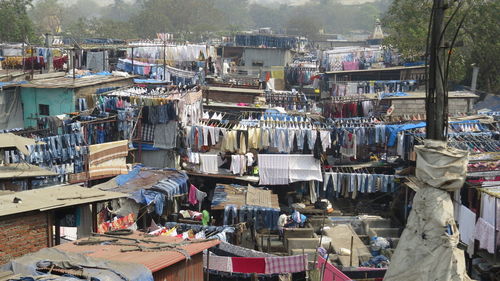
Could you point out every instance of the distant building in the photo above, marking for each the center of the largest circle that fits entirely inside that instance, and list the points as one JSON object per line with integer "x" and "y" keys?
{"x": 56, "y": 96}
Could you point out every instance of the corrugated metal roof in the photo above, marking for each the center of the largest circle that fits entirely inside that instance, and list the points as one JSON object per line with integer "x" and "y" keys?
{"x": 144, "y": 180}
{"x": 53, "y": 197}
{"x": 153, "y": 260}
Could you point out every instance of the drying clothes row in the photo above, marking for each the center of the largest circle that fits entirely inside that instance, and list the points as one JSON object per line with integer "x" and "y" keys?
{"x": 372, "y": 87}
{"x": 346, "y": 185}
{"x": 60, "y": 149}
{"x": 108, "y": 103}
{"x": 255, "y": 216}
{"x": 162, "y": 192}
{"x": 159, "y": 114}
{"x": 348, "y": 109}
{"x": 353, "y": 58}
{"x": 198, "y": 136}
{"x": 299, "y": 75}
{"x": 279, "y": 169}
{"x": 190, "y": 52}
{"x": 478, "y": 223}
{"x": 286, "y": 140}
{"x": 270, "y": 41}
{"x": 292, "y": 100}
{"x": 57, "y": 151}
{"x": 96, "y": 133}
{"x": 259, "y": 265}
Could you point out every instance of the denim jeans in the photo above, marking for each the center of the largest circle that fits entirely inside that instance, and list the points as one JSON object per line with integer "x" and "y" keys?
{"x": 230, "y": 210}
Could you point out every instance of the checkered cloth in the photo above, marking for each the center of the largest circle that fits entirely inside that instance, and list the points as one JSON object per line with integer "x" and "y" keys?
{"x": 148, "y": 132}
{"x": 290, "y": 264}
{"x": 218, "y": 263}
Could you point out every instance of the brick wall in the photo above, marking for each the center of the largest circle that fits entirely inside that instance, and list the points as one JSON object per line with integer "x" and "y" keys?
{"x": 22, "y": 234}
{"x": 417, "y": 106}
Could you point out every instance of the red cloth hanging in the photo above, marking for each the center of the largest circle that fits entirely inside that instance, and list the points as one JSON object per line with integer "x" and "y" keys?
{"x": 249, "y": 265}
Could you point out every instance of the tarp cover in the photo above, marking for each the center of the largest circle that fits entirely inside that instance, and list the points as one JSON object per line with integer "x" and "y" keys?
{"x": 427, "y": 249}
{"x": 102, "y": 270}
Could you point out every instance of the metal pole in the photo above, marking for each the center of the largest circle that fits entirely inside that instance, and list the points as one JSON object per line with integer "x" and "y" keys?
{"x": 132, "y": 60}
{"x": 436, "y": 96}
{"x": 32, "y": 64}
{"x": 74, "y": 64}
{"x": 164, "y": 60}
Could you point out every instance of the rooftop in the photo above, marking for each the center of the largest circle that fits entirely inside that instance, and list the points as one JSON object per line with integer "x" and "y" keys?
{"x": 395, "y": 68}
{"x": 153, "y": 260}
{"x": 236, "y": 90}
{"x": 53, "y": 197}
{"x": 23, "y": 170}
{"x": 69, "y": 82}
{"x": 421, "y": 95}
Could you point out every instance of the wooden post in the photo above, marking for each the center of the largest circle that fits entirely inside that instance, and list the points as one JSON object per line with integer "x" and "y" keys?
{"x": 350, "y": 257}
{"x": 207, "y": 274}
{"x": 94, "y": 217}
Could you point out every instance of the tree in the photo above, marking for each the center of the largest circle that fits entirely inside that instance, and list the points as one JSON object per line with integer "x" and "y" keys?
{"x": 47, "y": 16}
{"x": 407, "y": 23}
{"x": 302, "y": 26}
{"x": 15, "y": 23}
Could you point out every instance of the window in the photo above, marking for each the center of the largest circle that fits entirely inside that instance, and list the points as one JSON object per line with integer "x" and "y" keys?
{"x": 258, "y": 63}
{"x": 43, "y": 109}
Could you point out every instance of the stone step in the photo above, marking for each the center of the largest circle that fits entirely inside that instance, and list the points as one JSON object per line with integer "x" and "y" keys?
{"x": 384, "y": 232}
{"x": 378, "y": 223}
{"x": 302, "y": 243}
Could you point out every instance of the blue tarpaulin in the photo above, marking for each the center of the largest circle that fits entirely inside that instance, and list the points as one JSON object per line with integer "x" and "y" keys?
{"x": 123, "y": 179}
{"x": 393, "y": 130}
{"x": 148, "y": 196}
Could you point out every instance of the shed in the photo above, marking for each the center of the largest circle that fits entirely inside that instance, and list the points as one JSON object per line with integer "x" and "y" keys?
{"x": 165, "y": 265}
{"x": 30, "y": 220}
{"x": 56, "y": 96}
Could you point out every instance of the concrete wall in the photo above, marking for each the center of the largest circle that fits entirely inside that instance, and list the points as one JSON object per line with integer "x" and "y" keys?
{"x": 60, "y": 101}
{"x": 270, "y": 57}
{"x": 23, "y": 234}
{"x": 417, "y": 106}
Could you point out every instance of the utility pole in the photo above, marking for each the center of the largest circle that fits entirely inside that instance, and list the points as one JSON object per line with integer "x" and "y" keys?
{"x": 436, "y": 103}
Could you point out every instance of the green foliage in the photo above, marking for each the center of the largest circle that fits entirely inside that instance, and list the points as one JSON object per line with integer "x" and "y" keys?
{"x": 407, "y": 23}
{"x": 15, "y": 25}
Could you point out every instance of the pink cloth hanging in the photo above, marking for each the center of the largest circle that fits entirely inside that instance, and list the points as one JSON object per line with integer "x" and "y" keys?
{"x": 192, "y": 195}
